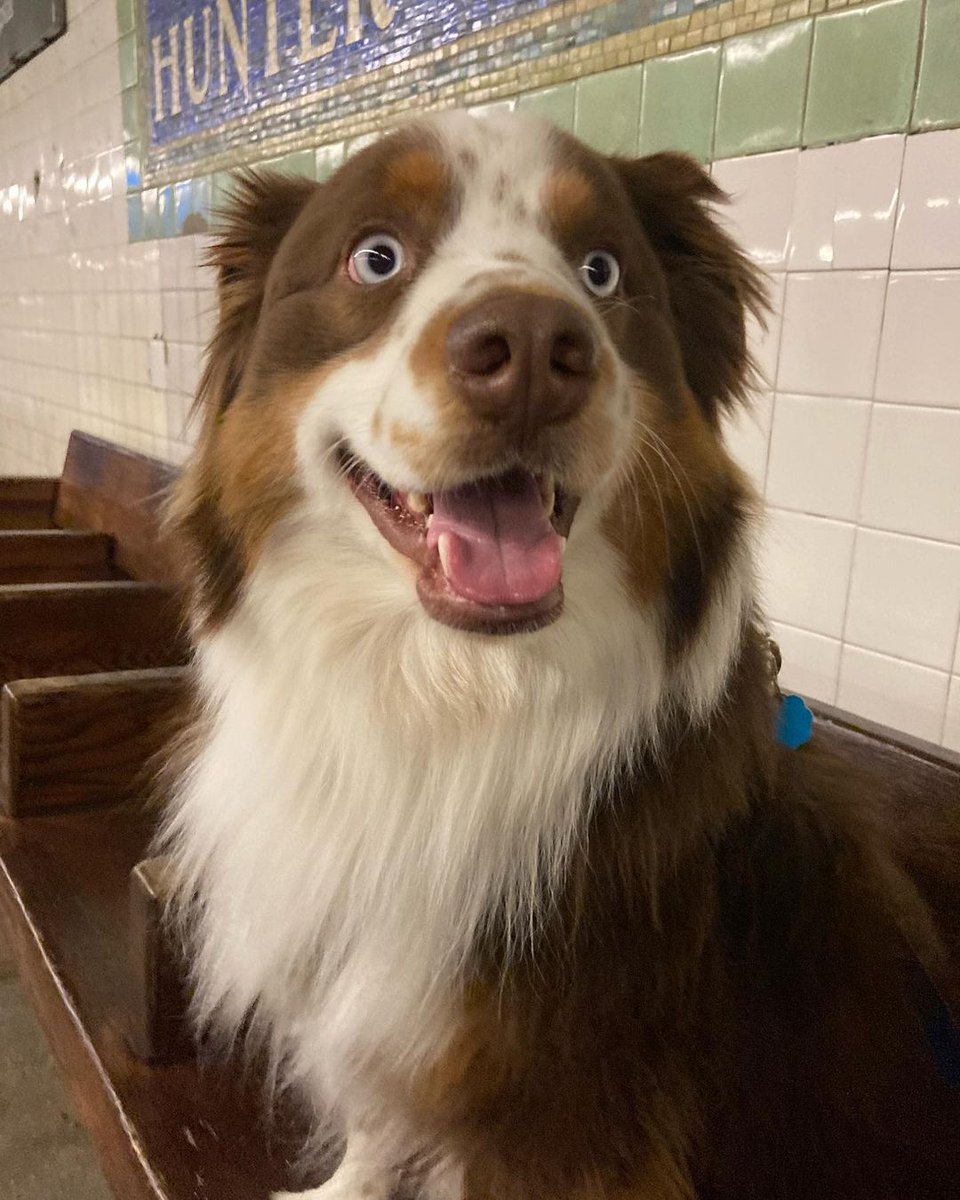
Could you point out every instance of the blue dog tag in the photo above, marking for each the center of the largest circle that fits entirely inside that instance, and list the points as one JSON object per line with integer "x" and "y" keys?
{"x": 794, "y": 722}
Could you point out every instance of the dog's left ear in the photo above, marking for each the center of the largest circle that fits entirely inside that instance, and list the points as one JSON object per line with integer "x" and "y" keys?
{"x": 711, "y": 282}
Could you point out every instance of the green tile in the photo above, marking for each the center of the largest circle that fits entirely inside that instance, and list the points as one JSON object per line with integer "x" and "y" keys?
{"x": 763, "y": 83}
{"x": 135, "y": 217}
{"x": 938, "y": 93}
{"x": 182, "y": 204}
{"x": 129, "y": 71}
{"x": 680, "y": 103}
{"x": 222, "y": 187}
{"x": 149, "y": 206}
{"x": 328, "y": 159}
{"x": 203, "y": 196}
{"x": 166, "y": 212}
{"x": 494, "y": 107}
{"x": 125, "y": 16}
{"x": 608, "y": 110}
{"x": 557, "y": 104}
{"x": 862, "y": 71}
{"x": 300, "y": 162}
{"x": 130, "y": 105}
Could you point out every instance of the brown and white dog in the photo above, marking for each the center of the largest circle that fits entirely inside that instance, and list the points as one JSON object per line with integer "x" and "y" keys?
{"x": 483, "y": 823}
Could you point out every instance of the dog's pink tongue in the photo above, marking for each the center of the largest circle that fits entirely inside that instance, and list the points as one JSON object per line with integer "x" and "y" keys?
{"x": 499, "y": 546}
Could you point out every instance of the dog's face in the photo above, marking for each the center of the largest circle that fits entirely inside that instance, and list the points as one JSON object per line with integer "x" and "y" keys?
{"x": 477, "y": 347}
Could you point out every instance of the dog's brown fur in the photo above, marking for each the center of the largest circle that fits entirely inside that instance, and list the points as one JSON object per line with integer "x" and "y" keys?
{"x": 721, "y": 1005}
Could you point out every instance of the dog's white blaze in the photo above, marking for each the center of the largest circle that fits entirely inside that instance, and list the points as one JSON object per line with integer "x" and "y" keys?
{"x": 510, "y": 165}
{"x": 377, "y": 784}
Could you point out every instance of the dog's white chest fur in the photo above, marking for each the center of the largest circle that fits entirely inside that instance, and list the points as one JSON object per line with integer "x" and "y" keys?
{"x": 375, "y": 788}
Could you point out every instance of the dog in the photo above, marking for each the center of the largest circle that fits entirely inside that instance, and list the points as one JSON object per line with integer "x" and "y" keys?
{"x": 482, "y": 827}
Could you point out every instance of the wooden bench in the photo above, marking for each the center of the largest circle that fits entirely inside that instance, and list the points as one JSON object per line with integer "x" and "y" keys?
{"x": 80, "y": 898}
{"x": 92, "y": 673}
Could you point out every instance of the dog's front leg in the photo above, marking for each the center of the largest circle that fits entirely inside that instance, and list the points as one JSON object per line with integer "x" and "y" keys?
{"x": 362, "y": 1175}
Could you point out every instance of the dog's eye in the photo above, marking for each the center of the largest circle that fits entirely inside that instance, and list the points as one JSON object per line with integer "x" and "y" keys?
{"x": 376, "y": 259}
{"x": 600, "y": 273}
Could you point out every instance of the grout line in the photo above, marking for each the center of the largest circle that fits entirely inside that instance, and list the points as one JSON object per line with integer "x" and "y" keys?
{"x": 806, "y": 91}
{"x": 918, "y": 60}
{"x": 776, "y": 370}
{"x": 954, "y": 671}
{"x": 846, "y": 599}
{"x": 716, "y": 101}
{"x": 855, "y": 523}
{"x": 897, "y": 658}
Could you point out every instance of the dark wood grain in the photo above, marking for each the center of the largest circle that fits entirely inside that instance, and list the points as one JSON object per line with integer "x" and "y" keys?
{"x": 156, "y": 1022}
{"x": 27, "y": 503}
{"x": 81, "y": 628}
{"x": 165, "y": 1132}
{"x": 84, "y": 739}
{"x": 55, "y": 556}
{"x": 108, "y": 489}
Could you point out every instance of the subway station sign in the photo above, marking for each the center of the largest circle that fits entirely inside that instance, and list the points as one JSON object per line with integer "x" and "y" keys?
{"x": 224, "y": 81}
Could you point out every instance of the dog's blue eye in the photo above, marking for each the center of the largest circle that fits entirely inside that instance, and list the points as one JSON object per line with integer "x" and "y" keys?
{"x": 375, "y": 259}
{"x": 600, "y": 273}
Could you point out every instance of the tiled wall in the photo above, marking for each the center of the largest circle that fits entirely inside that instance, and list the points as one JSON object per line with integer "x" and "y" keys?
{"x": 81, "y": 311}
{"x": 856, "y": 438}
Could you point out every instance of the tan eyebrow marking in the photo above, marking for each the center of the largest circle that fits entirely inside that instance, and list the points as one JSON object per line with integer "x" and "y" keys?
{"x": 569, "y": 199}
{"x": 418, "y": 182}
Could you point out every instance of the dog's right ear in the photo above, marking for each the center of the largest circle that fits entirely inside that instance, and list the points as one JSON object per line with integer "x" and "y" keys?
{"x": 711, "y": 282}
{"x": 261, "y": 209}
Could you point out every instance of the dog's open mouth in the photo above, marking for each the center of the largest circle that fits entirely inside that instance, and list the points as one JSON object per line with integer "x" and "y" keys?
{"x": 490, "y": 552}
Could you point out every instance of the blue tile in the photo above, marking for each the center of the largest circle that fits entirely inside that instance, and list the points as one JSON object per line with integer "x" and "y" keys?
{"x": 132, "y": 162}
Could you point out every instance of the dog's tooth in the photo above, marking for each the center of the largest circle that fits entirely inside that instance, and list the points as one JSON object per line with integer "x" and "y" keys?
{"x": 443, "y": 548}
{"x": 548, "y": 494}
{"x": 418, "y": 503}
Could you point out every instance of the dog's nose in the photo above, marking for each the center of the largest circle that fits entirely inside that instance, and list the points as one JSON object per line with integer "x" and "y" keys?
{"x": 523, "y": 360}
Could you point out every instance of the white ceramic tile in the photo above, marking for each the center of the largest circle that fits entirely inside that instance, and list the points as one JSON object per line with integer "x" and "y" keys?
{"x": 928, "y": 223}
{"x": 911, "y": 483}
{"x": 761, "y": 188}
{"x": 764, "y": 342}
{"x": 920, "y": 344}
{"x": 811, "y": 226}
{"x": 904, "y": 597}
{"x": 866, "y": 208}
{"x": 811, "y": 662}
{"x": 951, "y": 725}
{"x": 746, "y": 432}
{"x": 805, "y": 571}
{"x": 893, "y": 692}
{"x": 817, "y": 449}
{"x": 831, "y": 333}
{"x": 845, "y": 205}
